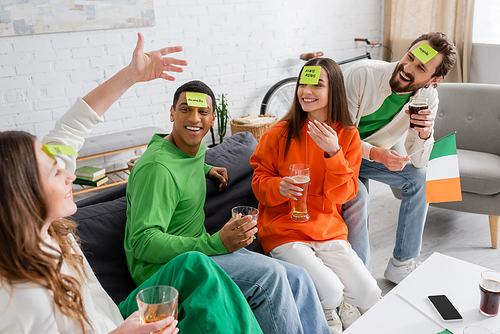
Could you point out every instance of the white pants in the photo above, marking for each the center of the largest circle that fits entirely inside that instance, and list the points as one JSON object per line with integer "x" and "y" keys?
{"x": 336, "y": 270}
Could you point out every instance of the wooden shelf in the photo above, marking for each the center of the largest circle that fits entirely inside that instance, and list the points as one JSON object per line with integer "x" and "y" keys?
{"x": 115, "y": 178}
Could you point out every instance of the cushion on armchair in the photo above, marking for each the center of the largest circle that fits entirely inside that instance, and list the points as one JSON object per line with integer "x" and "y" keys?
{"x": 234, "y": 154}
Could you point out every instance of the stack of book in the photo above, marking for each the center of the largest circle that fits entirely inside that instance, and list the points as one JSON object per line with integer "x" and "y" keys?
{"x": 90, "y": 176}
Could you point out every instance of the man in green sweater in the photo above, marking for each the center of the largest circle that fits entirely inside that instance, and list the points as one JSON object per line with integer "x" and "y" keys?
{"x": 165, "y": 197}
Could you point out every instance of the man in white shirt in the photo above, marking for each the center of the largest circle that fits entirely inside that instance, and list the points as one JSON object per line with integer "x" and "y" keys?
{"x": 378, "y": 94}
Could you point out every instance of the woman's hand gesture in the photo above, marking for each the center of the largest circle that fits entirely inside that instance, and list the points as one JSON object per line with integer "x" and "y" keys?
{"x": 324, "y": 136}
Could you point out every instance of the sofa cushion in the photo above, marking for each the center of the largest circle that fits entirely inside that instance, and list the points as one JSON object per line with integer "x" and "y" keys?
{"x": 479, "y": 172}
{"x": 234, "y": 154}
{"x": 101, "y": 227}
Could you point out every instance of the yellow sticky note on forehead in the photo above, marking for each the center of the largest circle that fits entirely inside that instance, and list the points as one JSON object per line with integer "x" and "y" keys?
{"x": 196, "y": 99}
{"x": 310, "y": 75}
{"x": 424, "y": 52}
{"x": 52, "y": 150}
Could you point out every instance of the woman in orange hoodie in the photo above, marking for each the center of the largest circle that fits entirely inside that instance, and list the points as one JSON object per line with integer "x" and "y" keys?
{"x": 316, "y": 131}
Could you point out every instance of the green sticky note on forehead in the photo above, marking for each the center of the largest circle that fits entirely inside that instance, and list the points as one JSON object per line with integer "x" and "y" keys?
{"x": 52, "y": 150}
{"x": 310, "y": 75}
{"x": 424, "y": 52}
{"x": 196, "y": 99}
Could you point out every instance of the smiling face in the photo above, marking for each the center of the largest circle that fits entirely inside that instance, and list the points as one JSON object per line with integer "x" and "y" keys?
{"x": 191, "y": 124}
{"x": 314, "y": 98}
{"x": 411, "y": 74}
{"x": 56, "y": 184}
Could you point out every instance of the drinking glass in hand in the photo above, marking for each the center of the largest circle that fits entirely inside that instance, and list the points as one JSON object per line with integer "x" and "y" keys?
{"x": 490, "y": 292}
{"x": 417, "y": 103}
{"x": 157, "y": 302}
{"x": 242, "y": 211}
{"x": 301, "y": 175}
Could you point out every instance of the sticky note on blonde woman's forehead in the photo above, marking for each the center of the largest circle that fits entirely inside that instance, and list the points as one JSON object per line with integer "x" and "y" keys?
{"x": 196, "y": 99}
{"x": 424, "y": 52}
{"x": 52, "y": 150}
{"x": 310, "y": 75}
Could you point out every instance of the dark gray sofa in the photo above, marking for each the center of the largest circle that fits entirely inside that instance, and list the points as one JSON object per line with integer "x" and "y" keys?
{"x": 101, "y": 218}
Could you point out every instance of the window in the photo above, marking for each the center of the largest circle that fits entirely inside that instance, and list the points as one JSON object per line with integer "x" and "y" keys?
{"x": 486, "y": 25}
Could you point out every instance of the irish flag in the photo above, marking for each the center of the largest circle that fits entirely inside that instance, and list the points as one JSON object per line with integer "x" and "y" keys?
{"x": 443, "y": 180}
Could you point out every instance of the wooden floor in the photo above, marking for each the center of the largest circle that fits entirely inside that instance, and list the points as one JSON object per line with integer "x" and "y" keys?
{"x": 465, "y": 236}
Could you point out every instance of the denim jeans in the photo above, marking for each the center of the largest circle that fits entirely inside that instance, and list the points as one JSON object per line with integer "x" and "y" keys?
{"x": 281, "y": 295}
{"x": 412, "y": 212}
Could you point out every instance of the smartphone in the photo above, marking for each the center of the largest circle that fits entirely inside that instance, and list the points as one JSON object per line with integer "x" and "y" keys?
{"x": 445, "y": 308}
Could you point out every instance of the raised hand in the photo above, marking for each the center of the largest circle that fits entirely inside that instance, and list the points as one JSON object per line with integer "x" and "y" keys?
{"x": 324, "y": 136}
{"x": 152, "y": 65}
{"x": 142, "y": 67}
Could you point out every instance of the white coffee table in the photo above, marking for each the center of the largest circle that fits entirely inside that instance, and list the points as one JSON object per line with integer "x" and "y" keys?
{"x": 439, "y": 274}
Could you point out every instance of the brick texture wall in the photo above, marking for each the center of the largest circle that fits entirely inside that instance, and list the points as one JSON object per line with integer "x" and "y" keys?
{"x": 238, "y": 47}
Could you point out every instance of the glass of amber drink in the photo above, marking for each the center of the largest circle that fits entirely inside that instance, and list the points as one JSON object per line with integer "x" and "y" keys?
{"x": 301, "y": 175}
{"x": 157, "y": 302}
{"x": 242, "y": 211}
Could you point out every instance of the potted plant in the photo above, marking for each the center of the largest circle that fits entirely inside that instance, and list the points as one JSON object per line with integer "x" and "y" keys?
{"x": 222, "y": 118}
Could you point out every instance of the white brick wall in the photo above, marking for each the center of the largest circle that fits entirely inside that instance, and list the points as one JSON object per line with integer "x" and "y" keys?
{"x": 238, "y": 47}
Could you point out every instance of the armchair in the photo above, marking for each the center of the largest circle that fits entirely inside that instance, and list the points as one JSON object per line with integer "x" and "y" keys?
{"x": 473, "y": 110}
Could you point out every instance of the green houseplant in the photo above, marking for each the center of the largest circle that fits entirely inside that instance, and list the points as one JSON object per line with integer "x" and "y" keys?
{"x": 222, "y": 118}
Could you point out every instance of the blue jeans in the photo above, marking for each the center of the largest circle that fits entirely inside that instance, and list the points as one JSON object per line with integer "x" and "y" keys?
{"x": 412, "y": 212}
{"x": 281, "y": 295}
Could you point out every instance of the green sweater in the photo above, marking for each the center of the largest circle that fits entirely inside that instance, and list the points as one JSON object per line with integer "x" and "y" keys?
{"x": 165, "y": 196}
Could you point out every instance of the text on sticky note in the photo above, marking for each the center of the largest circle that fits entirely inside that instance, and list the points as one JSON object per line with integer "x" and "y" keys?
{"x": 52, "y": 150}
{"x": 310, "y": 75}
{"x": 196, "y": 100}
{"x": 424, "y": 52}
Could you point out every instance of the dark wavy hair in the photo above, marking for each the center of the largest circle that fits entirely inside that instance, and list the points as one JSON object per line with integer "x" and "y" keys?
{"x": 24, "y": 256}
{"x": 337, "y": 101}
{"x": 442, "y": 44}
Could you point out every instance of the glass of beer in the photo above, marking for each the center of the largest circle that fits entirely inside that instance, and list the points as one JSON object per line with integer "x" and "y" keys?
{"x": 301, "y": 175}
{"x": 417, "y": 103}
{"x": 490, "y": 292}
{"x": 157, "y": 302}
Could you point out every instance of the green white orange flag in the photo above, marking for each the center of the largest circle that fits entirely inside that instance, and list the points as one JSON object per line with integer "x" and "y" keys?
{"x": 442, "y": 182}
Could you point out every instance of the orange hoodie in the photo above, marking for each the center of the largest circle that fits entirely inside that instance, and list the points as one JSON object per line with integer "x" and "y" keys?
{"x": 333, "y": 182}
